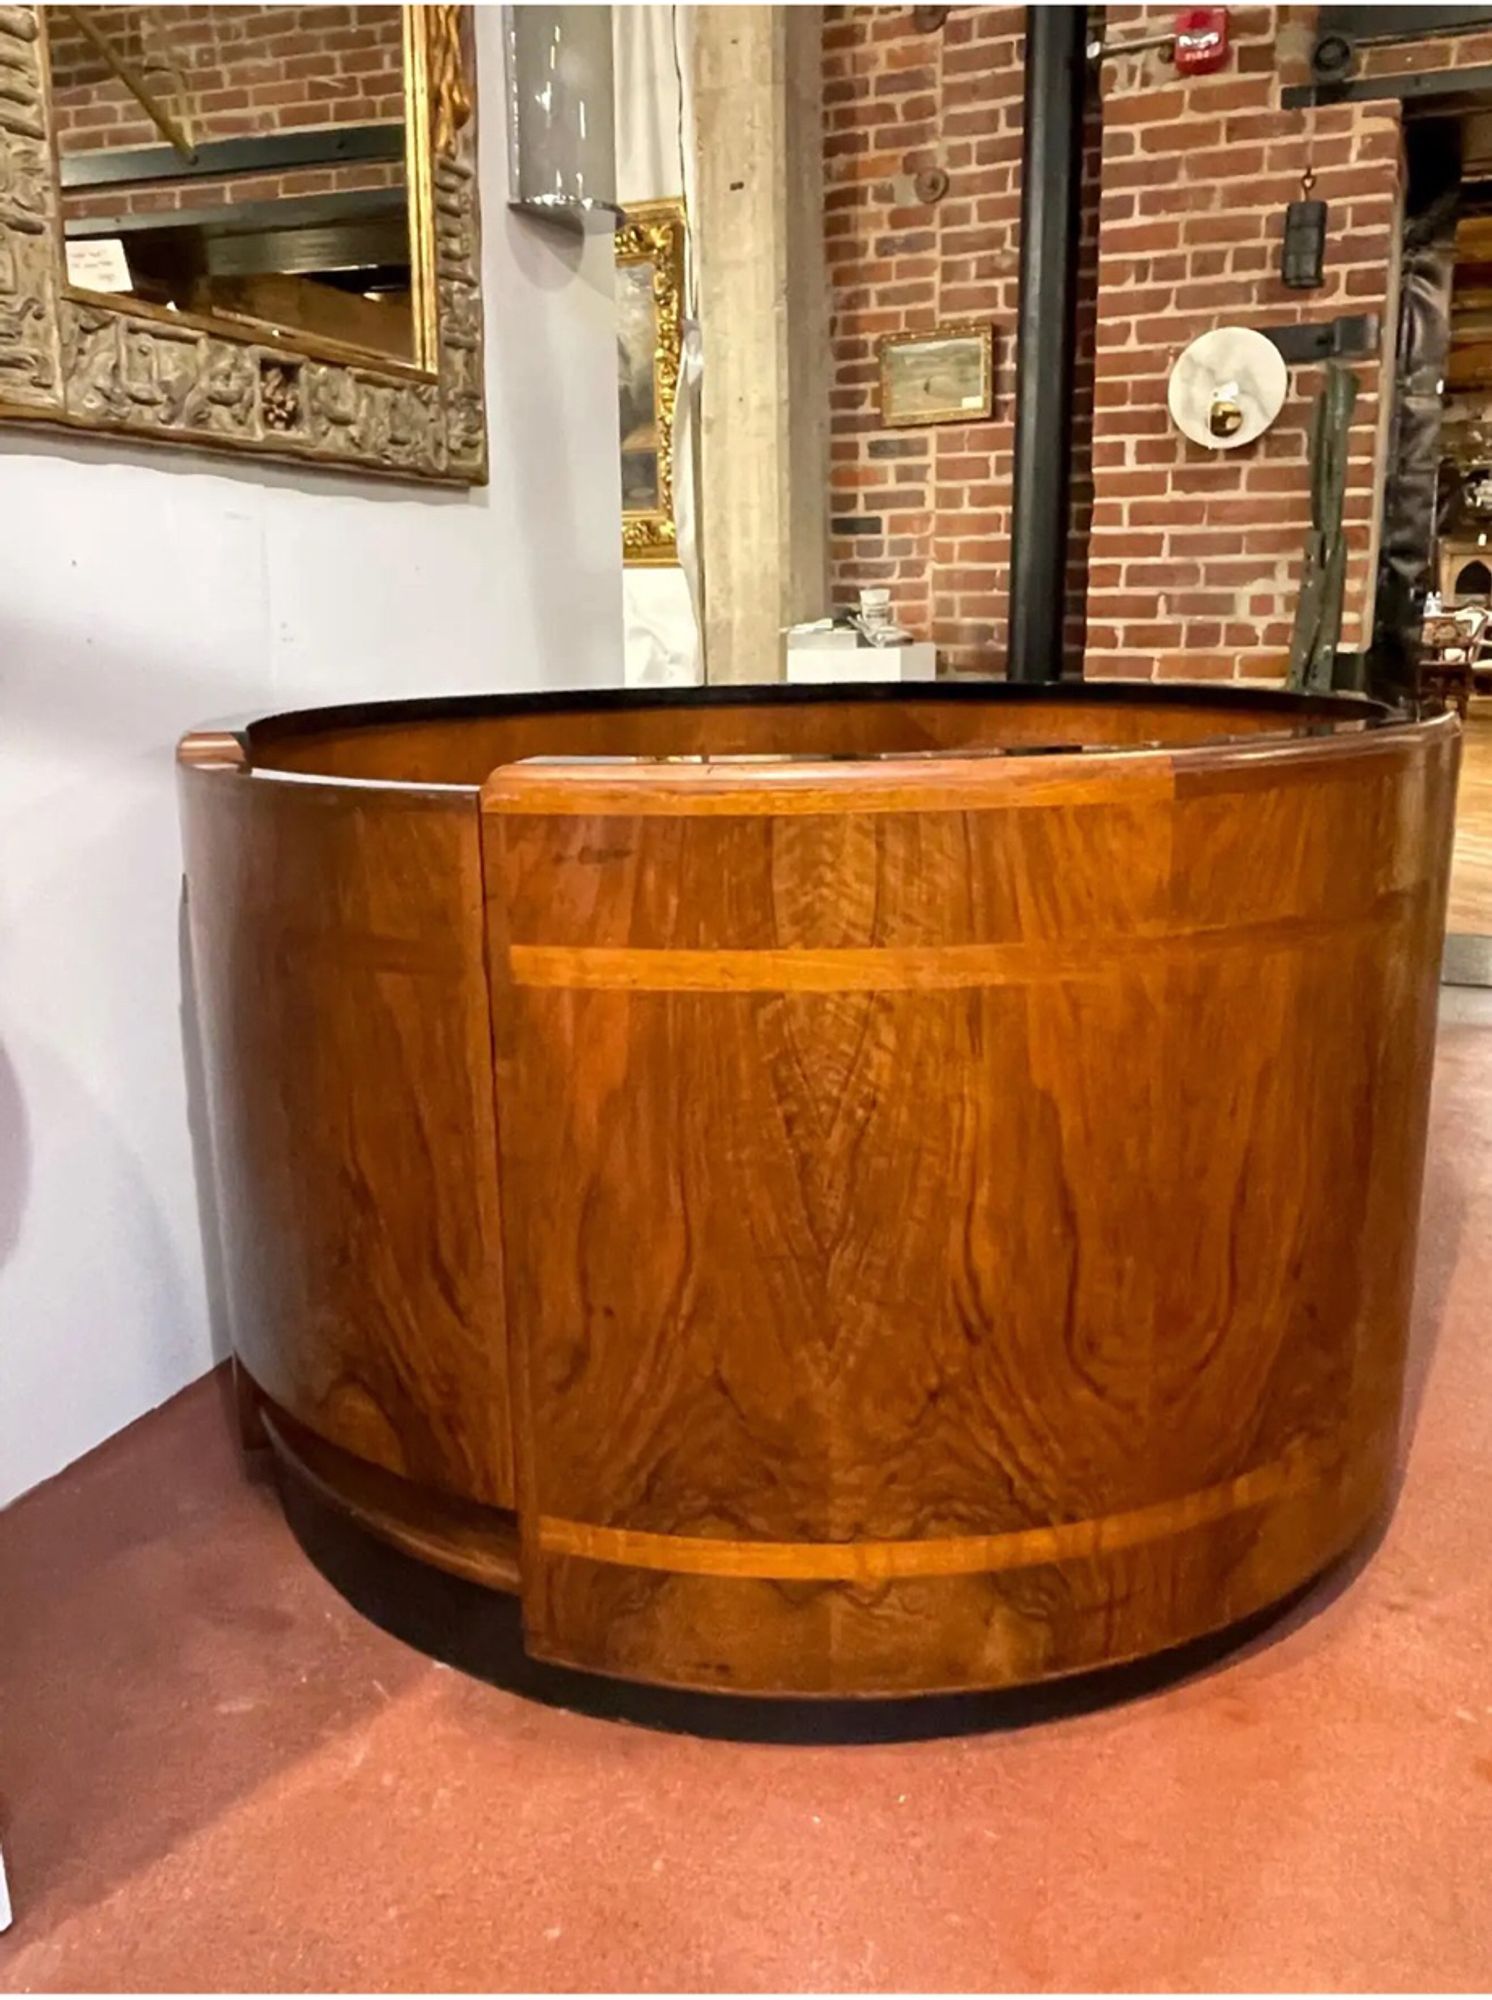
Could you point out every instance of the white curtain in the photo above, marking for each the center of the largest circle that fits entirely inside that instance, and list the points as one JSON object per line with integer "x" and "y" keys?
{"x": 647, "y": 66}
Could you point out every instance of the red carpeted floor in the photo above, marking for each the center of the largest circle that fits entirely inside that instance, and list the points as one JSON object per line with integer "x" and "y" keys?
{"x": 215, "y": 1773}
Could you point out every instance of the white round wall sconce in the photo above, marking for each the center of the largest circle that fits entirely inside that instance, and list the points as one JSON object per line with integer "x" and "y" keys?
{"x": 1227, "y": 388}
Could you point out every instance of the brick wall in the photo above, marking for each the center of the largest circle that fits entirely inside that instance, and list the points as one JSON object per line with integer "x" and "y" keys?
{"x": 1195, "y": 554}
{"x": 1085, "y": 354}
{"x": 228, "y": 72}
{"x": 926, "y": 511}
{"x": 230, "y": 190}
{"x": 247, "y": 70}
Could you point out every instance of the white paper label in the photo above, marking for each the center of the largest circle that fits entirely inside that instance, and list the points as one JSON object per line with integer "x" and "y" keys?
{"x": 99, "y": 265}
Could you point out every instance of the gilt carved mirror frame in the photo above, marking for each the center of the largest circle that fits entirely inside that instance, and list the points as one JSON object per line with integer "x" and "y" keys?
{"x": 107, "y": 362}
{"x": 650, "y": 245}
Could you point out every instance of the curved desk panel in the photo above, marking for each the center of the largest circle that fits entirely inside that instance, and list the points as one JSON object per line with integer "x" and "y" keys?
{"x": 337, "y": 939}
{"x": 948, "y": 1217}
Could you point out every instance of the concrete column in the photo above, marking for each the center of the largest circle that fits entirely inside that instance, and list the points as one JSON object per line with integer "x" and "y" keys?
{"x": 764, "y": 315}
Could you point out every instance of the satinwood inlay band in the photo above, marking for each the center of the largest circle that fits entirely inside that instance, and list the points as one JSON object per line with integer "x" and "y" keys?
{"x": 948, "y": 1555}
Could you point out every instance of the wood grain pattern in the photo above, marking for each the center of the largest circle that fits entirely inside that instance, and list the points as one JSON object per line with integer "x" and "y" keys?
{"x": 337, "y": 945}
{"x": 740, "y": 787}
{"x": 893, "y": 969}
{"x": 1007, "y": 1313}
{"x": 955, "y": 1555}
{"x": 916, "y": 1219}
{"x": 469, "y": 1540}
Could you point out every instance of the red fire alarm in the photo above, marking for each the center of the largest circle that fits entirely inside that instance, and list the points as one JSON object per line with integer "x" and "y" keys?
{"x": 1201, "y": 40}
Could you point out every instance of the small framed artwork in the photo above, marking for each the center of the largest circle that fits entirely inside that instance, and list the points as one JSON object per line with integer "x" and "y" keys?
{"x": 943, "y": 376}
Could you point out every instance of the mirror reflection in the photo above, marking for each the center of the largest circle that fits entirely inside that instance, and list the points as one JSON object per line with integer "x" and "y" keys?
{"x": 240, "y": 163}
{"x": 637, "y": 347}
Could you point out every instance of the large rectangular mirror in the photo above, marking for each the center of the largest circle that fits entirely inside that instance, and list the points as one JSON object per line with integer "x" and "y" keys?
{"x": 240, "y": 162}
{"x": 246, "y": 227}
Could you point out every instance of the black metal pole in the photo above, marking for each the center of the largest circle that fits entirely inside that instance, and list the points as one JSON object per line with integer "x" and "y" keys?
{"x": 1051, "y": 165}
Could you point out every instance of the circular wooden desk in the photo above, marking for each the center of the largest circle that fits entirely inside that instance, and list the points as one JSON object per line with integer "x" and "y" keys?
{"x": 857, "y": 1192}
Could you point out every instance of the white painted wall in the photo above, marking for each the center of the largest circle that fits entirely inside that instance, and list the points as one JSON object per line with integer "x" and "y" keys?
{"x": 142, "y": 592}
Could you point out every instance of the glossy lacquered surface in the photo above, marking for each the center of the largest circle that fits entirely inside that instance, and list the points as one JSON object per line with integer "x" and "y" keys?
{"x": 948, "y": 1214}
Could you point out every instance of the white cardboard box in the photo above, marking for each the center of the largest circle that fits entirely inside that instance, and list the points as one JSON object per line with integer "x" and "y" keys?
{"x": 916, "y": 662}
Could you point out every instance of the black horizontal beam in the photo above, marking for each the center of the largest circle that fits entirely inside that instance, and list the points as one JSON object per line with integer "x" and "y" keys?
{"x": 1399, "y": 24}
{"x": 1355, "y": 337}
{"x": 269, "y": 153}
{"x": 1445, "y": 86}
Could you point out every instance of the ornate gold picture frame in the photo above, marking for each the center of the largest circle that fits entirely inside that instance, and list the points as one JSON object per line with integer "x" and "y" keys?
{"x": 108, "y": 362}
{"x": 650, "y": 285}
{"x": 941, "y": 375}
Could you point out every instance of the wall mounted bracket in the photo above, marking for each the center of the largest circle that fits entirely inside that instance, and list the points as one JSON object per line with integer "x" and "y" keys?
{"x": 1355, "y": 337}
